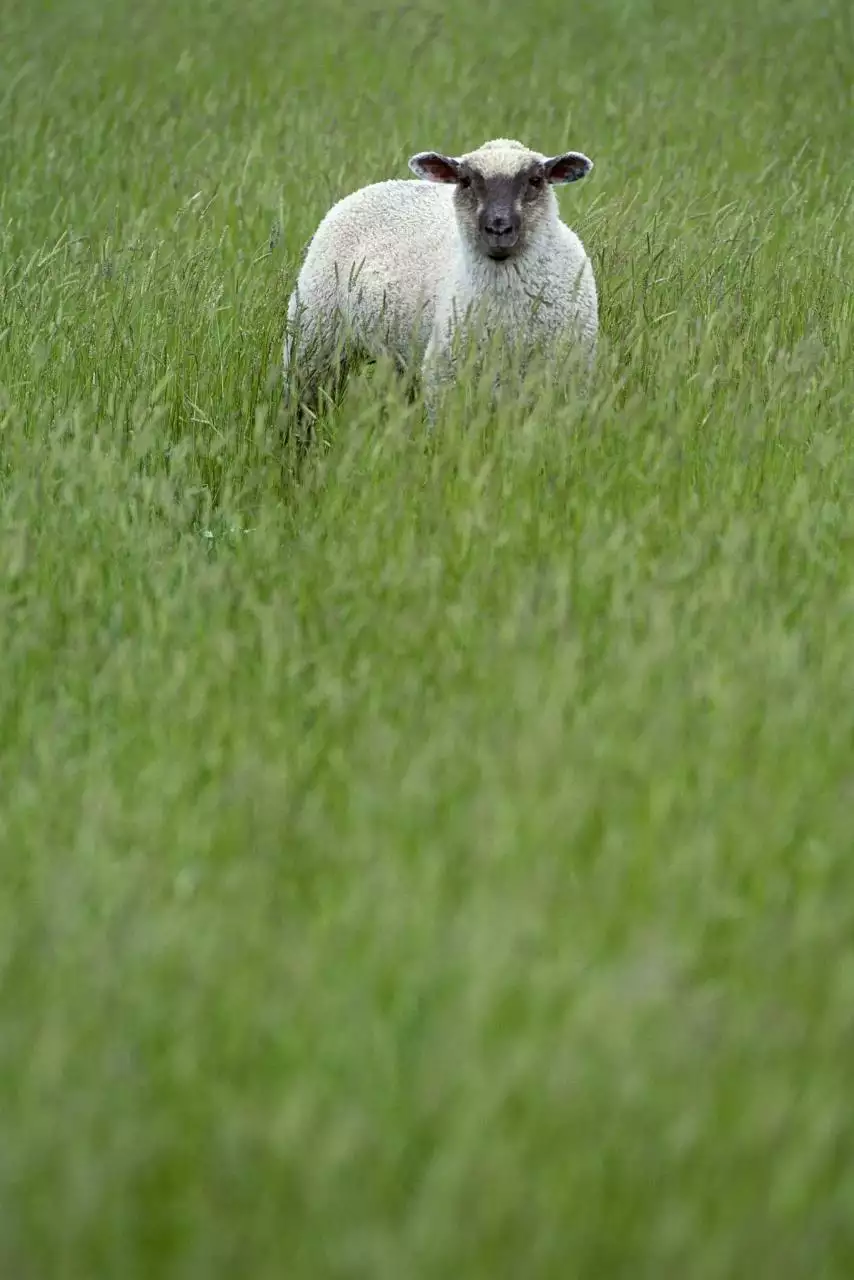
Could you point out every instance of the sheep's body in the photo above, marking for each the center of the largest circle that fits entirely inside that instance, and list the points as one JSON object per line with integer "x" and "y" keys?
{"x": 546, "y": 298}
{"x": 397, "y": 267}
{"x": 359, "y": 289}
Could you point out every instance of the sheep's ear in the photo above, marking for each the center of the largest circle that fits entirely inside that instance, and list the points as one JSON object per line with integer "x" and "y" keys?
{"x": 434, "y": 167}
{"x": 569, "y": 167}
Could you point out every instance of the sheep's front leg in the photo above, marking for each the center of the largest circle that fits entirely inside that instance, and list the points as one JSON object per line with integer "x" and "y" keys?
{"x": 437, "y": 375}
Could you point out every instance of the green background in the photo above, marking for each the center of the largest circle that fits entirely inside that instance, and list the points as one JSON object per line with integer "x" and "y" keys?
{"x": 439, "y": 864}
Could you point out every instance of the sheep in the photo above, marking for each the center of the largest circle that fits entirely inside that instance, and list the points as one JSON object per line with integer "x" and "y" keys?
{"x": 475, "y": 250}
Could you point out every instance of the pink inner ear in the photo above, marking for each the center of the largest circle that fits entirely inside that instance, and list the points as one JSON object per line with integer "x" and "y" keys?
{"x": 438, "y": 169}
{"x": 568, "y": 168}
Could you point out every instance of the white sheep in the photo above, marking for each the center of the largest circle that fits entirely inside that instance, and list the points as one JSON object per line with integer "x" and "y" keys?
{"x": 408, "y": 268}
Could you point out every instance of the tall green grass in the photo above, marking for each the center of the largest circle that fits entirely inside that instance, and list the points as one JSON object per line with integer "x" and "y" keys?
{"x": 439, "y": 863}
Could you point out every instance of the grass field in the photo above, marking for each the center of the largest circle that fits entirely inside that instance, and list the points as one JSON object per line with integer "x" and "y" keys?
{"x": 438, "y": 865}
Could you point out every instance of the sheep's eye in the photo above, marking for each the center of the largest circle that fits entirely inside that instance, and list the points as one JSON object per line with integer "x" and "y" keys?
{"x": 536, "y": 181}
{"x": 465, "y": 182}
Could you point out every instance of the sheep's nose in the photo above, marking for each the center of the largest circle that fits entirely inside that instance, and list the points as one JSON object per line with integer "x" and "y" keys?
{"x": 500, "y": 232}
{"x": 498, "y": 225}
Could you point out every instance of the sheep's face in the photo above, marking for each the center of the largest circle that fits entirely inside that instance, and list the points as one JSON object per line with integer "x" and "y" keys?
{"x": 503, "y": 191}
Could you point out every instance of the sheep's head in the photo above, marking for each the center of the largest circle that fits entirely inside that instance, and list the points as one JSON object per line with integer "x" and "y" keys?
{"x": 503, "y": 191}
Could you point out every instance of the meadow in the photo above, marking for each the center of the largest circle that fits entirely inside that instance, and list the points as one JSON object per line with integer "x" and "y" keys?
{"x": 435, "y": 862}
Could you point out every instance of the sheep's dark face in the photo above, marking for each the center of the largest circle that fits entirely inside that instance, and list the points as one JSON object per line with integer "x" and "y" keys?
{"x": 503, "y": 192}
{"x": 502, "y": 207}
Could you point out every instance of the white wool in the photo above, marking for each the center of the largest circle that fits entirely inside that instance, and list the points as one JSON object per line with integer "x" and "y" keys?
{"x": 389, "y": 269}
